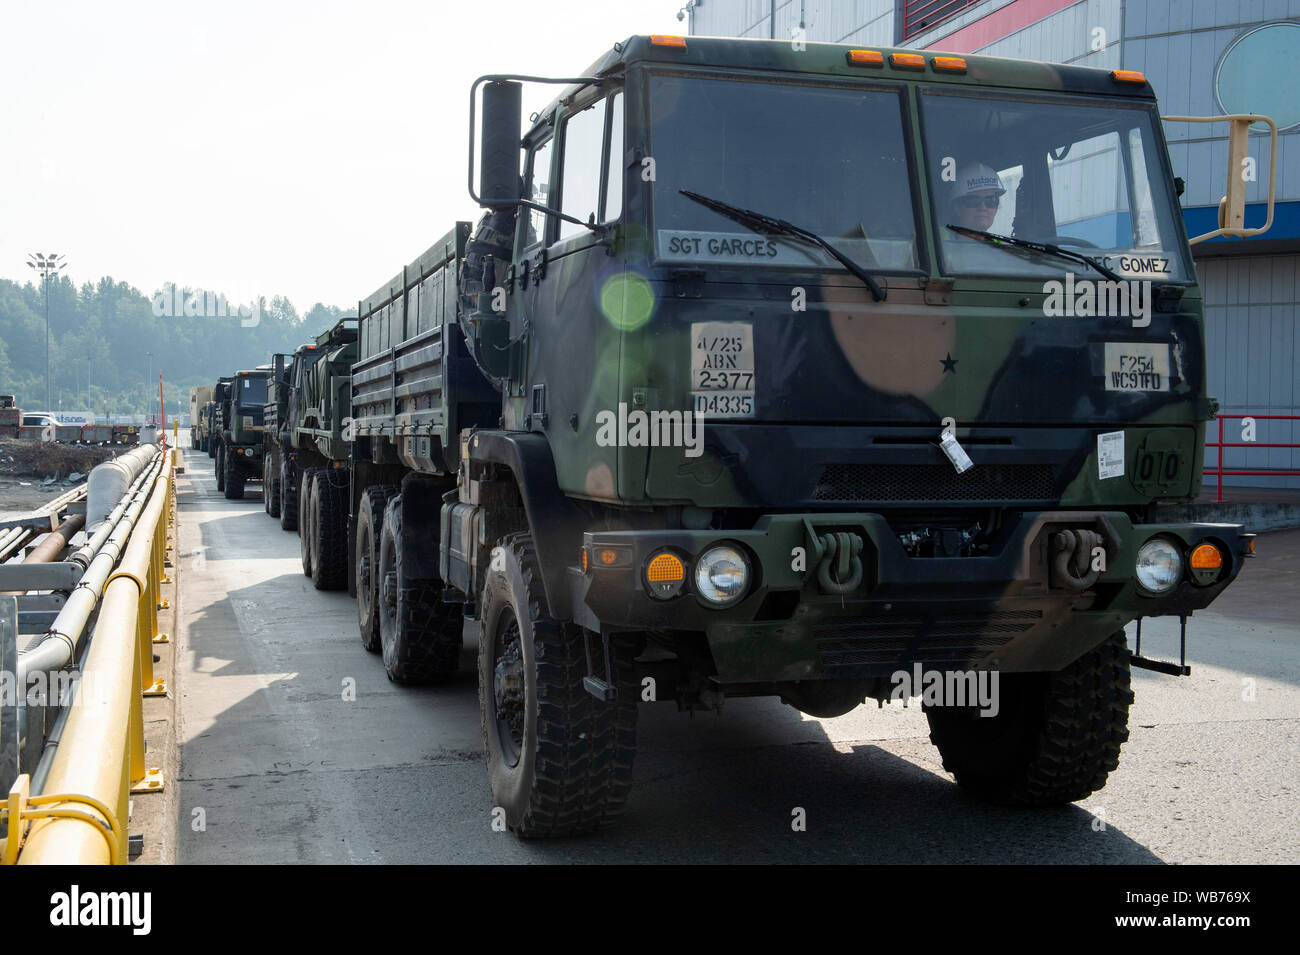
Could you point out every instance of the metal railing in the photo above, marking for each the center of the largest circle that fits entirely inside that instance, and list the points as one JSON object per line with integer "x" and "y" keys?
{"x": 79, "y": 812}
{"x": 1219, "y": 471}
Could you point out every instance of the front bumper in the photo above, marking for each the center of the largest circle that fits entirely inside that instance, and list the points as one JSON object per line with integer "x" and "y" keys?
{"x": 1004, "y": 610}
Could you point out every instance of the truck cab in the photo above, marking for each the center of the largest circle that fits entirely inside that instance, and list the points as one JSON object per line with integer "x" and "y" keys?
{"x": 240, "y": 416}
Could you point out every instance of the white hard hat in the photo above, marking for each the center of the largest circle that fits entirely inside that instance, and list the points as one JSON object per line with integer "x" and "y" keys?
{"x": 975, "y": 178}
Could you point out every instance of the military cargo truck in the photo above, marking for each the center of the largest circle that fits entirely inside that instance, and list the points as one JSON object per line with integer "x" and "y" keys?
{"x": 305, "y": 476}
{"x": 776, "y": 375}
{"x": 199, "y": 397}
{"x": 238, "y": 431}
{"x": 220, "y": 394}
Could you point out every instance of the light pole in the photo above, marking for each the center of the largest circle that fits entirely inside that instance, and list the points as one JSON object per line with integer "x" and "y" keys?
{"x": 47, "y": 264}
{"x": 148, "y": 402}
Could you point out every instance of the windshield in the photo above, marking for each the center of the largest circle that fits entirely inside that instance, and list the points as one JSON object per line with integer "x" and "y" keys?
{"x": 252, "y": 391}
{"x": 830, "y": 160}
{"x": 1086, "y": 178}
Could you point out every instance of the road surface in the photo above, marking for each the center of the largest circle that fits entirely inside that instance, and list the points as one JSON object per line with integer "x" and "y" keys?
{"x": 295, "y": 747}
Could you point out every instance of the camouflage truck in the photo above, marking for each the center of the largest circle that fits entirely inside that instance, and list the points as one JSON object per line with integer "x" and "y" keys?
{"x": 199, "y": 398}
{"x": 305, "y": 481}
{"x": 220, "y": 394}
{"x": 238, "y": 431}
{"x": 774, "y": 375}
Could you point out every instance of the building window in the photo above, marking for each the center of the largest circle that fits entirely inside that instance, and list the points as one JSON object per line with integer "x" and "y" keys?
{"x": 1259, "y": 73}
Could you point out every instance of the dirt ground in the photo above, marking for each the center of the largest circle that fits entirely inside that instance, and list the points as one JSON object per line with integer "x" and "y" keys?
{"x": 42, "y": 459}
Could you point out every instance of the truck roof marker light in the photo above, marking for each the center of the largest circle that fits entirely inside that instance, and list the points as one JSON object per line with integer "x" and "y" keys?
{"x": 865, "y": 58}
{"x": 949, "y": 64}
{"x": 661, "y": 39}
{"x": 1128, "y": 76}
{"x": 907, "y": 61}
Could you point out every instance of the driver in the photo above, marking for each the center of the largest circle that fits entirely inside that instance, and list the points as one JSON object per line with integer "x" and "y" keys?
{"x": 975, "y": 196}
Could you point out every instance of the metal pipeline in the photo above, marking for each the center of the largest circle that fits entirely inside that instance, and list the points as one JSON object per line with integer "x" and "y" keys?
{"x": 49, "y": 549}
{"x": 109, "y": 481}
{"x": 15, "y": 537}
{"x": 59, "y": 645}
{"x": 86, "y": 552}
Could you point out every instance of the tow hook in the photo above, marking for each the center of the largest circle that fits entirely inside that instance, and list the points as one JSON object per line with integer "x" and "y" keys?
{"x": 839, "y": 562}
{"x": 1072, "y": 558}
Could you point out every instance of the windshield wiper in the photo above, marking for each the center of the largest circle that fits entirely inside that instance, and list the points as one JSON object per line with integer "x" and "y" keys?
{"x": 766, "y": 225}
{"x": 993, "y": 238}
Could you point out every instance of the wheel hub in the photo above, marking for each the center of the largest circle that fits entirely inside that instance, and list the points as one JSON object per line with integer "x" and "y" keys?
{"x": 508, "y": 692}
{"x": 389, "y": 590}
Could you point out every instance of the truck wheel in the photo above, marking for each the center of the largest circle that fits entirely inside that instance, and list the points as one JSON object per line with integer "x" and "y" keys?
{"x": 288, "y": 495}
{"x": 370, "y": 523}
{"x": 271, "y": 485}
{"x": 221, "y": 468}
{"x": 329, "y": 521}
{"x": 211, "y": 447}
{"x": 419, "y": 635}
{"x": 234, "y": 483}
{"x": 306, "y": 481}
{"x": 559, "y": 761}
{"x": 1055, "y": 738}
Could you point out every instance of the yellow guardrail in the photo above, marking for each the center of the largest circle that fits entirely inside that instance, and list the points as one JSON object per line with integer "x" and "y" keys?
{"x": 81, "y": 818}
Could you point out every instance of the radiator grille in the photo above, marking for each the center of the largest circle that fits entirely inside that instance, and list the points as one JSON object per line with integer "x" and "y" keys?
{"x": 952, "y": 641}
{"x": 935, "y": 482}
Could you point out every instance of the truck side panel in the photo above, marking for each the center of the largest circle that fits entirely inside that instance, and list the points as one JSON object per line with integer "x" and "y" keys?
{"x": 415, "y": 385}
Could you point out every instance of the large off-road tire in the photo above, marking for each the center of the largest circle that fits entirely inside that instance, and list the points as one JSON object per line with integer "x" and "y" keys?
{"x": 1055, "y": 738}
{"x": 370, "y": 523}
{"x": 234, "y": 483}
{"x": 306, "y": 481}
{"x": 288, "y": 494}
{"x": 419, "y": 635}
{"x": 270, "y": 485}
{"x": 559, "y": 761}
{"x": 210, "y": 446}
{"x": 329, "y": 521}
{"x": 221, "y": 467}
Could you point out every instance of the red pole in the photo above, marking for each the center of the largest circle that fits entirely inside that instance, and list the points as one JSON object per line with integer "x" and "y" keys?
{"x": 163, "y": 412}
{"x": 1220, "y": 497}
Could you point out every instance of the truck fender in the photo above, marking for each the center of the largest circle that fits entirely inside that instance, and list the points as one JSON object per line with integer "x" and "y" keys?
{"x": 554, "y": 520}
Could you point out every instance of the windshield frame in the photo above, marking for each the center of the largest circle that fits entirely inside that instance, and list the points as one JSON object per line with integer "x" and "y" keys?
{"x": 1158, "y": 145}
{"x": 830, "y": 272}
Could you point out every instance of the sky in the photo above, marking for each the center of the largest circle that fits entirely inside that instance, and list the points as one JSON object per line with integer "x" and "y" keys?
{"x": 281, "y": 147}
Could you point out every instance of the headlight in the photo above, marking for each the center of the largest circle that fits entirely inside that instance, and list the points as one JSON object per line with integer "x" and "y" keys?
{"x": 1159, "y": 565}
{"x": 721, "y": 575}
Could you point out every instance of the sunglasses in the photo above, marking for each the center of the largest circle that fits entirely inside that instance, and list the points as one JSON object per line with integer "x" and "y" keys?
{"x": 974, "y": 202}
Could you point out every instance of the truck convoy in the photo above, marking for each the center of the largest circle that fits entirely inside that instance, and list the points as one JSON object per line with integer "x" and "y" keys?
{"x": 199, "y": 399}
{"x": 237, "y": 430}
{"x": 307, "y": 446}
{"x": 801, "y": 373}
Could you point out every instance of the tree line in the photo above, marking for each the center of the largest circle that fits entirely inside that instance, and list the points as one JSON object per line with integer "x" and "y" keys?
{"x": 109, "y": 341}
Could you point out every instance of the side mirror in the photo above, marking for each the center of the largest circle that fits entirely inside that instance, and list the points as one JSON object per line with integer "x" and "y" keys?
{"x": 499, "y": 149}
{"x": 1232, "y": 207}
